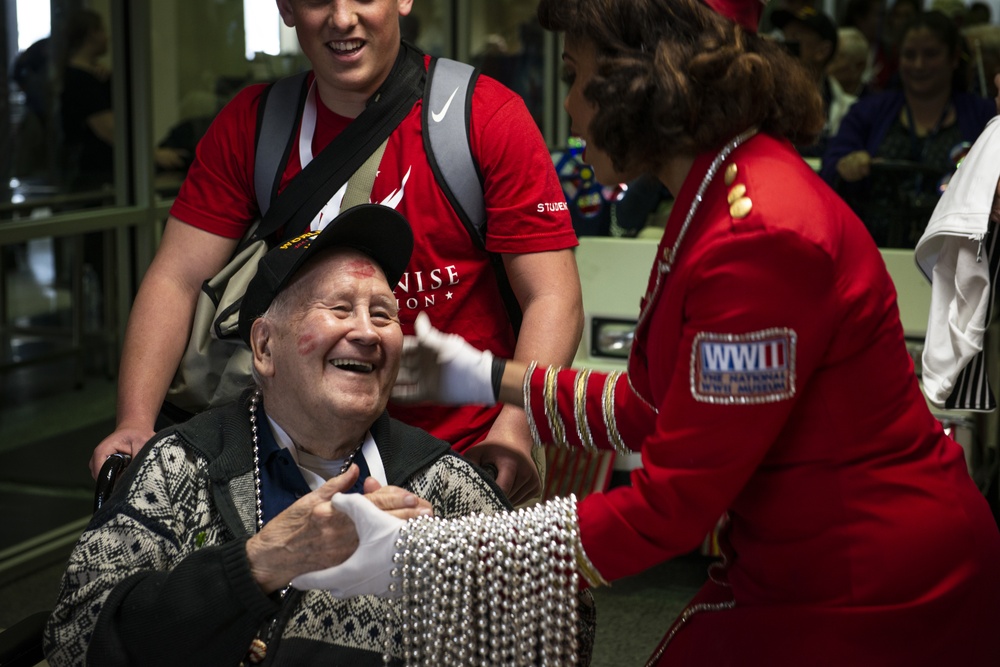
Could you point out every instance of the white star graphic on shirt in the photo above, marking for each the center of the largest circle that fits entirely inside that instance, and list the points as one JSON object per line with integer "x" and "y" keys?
{"x": 448, "y": 295}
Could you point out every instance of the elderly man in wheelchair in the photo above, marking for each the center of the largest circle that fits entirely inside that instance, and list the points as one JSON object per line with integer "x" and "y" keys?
{"x": 209, "y": 548}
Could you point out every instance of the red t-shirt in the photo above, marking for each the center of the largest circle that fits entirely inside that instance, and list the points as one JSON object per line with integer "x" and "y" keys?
{"x": 448, "y": 276}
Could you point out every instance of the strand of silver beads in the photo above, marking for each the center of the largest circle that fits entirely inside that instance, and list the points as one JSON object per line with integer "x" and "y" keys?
{"x": 490, "y": 589}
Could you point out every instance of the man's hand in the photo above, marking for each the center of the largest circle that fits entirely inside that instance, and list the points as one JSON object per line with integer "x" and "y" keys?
{"x": 309, "y": 535}
{"x": 855, "y": 166}
{"x": 517, "y": 475}
{"x": 124, "y": 440}
{"x": 507, "y": 447}
{"x": 396, "y": 501}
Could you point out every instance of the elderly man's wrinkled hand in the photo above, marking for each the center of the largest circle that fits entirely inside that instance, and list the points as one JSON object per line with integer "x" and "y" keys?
{"x": 309, "y": 535}
{"x": 443, "y": 368}
{"x": 369, "y": 569}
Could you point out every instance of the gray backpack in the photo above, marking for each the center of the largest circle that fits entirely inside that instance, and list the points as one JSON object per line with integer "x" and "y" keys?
{"x": 446, "y": 139}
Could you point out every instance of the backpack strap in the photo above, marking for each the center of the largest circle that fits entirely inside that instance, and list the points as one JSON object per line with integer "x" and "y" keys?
{"x": 278, "y": 115}
{"x": 446, "y": 121}
{"x": 312, "y": 188}
{"x": 446, "y": 124}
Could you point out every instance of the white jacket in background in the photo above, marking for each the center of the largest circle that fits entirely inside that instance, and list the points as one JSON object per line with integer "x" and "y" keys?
{"x": 952, "y": 254}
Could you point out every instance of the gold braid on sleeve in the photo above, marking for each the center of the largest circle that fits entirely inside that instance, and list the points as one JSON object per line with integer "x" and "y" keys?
{"x": 610, "y": 423}
{"x": 551, "y": 395}
{"x": 580, "y": 410}
{"x": 536, "y": 438}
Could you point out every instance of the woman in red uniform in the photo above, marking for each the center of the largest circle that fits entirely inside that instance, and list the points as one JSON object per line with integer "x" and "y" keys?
{"x": 769, "y": 380}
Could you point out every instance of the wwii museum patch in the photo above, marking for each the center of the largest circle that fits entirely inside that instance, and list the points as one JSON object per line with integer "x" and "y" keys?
{"x": 757, "y": 367}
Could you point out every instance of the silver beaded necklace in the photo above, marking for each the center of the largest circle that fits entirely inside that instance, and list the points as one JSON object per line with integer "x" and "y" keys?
{"x": 258, "y": 647}
{"x": 256, "y": 459}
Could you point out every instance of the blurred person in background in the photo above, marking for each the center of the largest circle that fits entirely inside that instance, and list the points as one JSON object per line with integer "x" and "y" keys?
{"x": 88, "y": 120}
{"x": 868, "y": 16}
{"x": 984, "y": 62}
{"x": 812, "y": 36}
{"x": 978, "y": 13}
{"x": 899, "y": 15}
{"x": 919, "y": 123}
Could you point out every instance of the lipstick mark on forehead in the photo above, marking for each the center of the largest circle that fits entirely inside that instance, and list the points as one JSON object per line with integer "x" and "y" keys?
{"x": 360, "y": 268}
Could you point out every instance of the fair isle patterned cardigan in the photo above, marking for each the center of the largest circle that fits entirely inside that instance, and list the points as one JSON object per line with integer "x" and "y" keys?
{"x": 160, "y": 576}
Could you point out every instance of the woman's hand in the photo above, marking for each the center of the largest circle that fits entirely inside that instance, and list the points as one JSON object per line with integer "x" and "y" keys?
{"x": 369, "y": 569}
{"x": 443, "y": 368}
{"x": 854, "y": 166}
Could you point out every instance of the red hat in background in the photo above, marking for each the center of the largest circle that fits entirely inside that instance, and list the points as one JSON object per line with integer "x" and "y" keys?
{"x": 745, "y": 12}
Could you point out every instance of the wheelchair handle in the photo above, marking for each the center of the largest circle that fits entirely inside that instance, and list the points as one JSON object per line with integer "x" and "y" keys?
{"x": 108, "y": 476}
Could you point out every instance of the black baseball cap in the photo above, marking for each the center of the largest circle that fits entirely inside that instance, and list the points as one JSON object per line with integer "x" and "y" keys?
{"x": 378, "y": 231}
{"x": 816, "y": 21}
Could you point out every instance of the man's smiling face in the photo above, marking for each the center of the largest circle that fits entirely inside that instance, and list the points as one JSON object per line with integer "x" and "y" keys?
{"x": 352, "y": 44}
{"x": 333, "y": 340}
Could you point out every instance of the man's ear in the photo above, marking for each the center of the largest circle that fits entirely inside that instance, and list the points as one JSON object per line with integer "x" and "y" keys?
{"x": 285, "y": 9}
{"x": 260, "y": 347}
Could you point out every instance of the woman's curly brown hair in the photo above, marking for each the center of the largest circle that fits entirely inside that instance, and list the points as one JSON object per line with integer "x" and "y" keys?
{"x": 674, "y": 77}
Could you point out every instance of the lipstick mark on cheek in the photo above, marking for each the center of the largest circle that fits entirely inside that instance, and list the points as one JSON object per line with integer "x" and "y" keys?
{"x": 307, "y": 344}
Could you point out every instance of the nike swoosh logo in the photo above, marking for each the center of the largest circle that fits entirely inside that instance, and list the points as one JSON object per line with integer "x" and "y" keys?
{"x": 439, "y": 116}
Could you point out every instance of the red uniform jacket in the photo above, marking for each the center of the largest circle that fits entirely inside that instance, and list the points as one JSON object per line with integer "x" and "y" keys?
{"x": 769, "y": 380}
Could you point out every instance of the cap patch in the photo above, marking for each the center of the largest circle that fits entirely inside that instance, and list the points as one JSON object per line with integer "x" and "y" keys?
{"x": 300, "y": 241}
{"x": 757, "y": 367}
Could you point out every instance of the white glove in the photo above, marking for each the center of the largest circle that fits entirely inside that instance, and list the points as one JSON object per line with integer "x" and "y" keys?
{"x": 369, "y": 569}
{"x": 443, "y": 368}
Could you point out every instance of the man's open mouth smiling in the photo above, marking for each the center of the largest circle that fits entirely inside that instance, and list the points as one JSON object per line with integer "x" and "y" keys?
{"x": 353, "y": 365}
{"x": 347, "y": 47}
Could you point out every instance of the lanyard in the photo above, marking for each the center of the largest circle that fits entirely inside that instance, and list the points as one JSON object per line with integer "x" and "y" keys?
{"x": 918, "y": 150}
{"x": 309, "y": 127}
